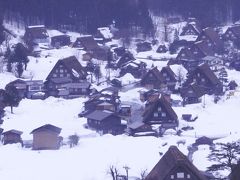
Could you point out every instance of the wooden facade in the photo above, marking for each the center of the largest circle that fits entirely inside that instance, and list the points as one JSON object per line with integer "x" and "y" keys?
{"x": 159, "y": 111}
{"x": 153, "y": 79}
{"x": 35, "y": 35}
{"x": 104, "y": 122}
{"x": 204, "y": 77}
{"x": 67, "y": 77}
{"x": 11, "y": 137}
{"x": 46, "y": 137}
{"x": 212, "y": 38}
{"x": 169, "y": 77}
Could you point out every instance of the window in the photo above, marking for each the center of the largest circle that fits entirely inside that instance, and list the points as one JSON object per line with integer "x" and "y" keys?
{"x": 54, "y": 75}
{"x": 61, "y": 70}
{"x": 190, "y": 91}
{"x": 188, "y": 176}
{"x": 155, "y": 114}
{"x": 180, "y": 175}
{"x": 61, "y": 75}
{"x": 203, "y": 80}
{"x": 35, "y": 88}
{"x": 150, "y": 75}
{"x": 198, "y": 74}
{"x": 84, "y": 90}
{"x": 164, "y": 74}
{"x": 163, "y": 114}
{"x": 183, "y": 55}
{"x": 68, "y": 75}
{"x": 172, "y": 176}
{"x": 168, "y": 79}
{"x": 209, "y": 44}
{"x": 159, "y": 109}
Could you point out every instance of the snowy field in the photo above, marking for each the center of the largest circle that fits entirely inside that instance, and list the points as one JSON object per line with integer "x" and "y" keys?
{"x": 94, "y": 154}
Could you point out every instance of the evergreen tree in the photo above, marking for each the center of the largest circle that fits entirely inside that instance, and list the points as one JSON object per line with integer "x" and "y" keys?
{"x": 19, "y": 69}
{"x": 20, "y": 55}
{"x": 12, "y": 97}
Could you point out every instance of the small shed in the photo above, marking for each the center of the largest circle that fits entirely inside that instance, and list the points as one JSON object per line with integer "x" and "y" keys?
{"x": 204, "y": 141}
{"x": 12, "y": 136}
{"x": 46, "y": 137}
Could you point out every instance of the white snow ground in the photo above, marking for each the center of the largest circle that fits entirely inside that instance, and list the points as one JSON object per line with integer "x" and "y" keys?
{"x": 91, "y": 159}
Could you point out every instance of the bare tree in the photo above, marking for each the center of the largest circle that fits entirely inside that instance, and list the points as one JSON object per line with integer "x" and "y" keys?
{"x": 225, "y": 156}
{"x": 113, "y": 171}
{"x": 126, "y": 169}
{"x": 143, "y": 174}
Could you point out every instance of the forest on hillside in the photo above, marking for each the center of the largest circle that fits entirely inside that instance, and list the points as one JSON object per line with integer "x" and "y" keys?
{"x": 86, "y": 15}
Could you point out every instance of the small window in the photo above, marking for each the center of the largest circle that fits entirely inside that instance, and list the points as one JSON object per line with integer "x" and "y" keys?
{"x": 164, "y": 74}
{"x": 61, "y": 75}
{"x": 155, "y": 114}
{"x": 209, "y": 44}
{"x": 54, "y": 75}
{"x": 203, "y": 80}
{"x": 150, "y": 75}
{"x": 68, "y": 75}
{"x": 188, "y": 176}
{"x": 180, "y": 175}
{"x": 84, "y": 90}
{"x": 183, "y": 55}
{"x": 172, "y": 176}
{"x": 61, "y": 70}
{"x": 168, "y": 79}
{"x": 163, "y": 114}
{"x": 159, "y": 109}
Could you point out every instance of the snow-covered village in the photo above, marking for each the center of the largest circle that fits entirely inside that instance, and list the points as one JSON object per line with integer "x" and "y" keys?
{"x": 88, "y": 93}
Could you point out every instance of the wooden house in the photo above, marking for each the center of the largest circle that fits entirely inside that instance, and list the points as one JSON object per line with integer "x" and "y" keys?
{"x": 35, "y": 35}
{"x": 235, "y": 174}
{"x": 204, "y": 141}
{"x": 139, "y": 128}
{"x": 144, "y": 46}
{"x": 169, "y": 77}
{"x": 204, "y": 77}
{"x": 46, "y": 137}
{"x": 191, "y": 28}
{"x": 11, "y": 137}
{"x": 192, "y": 93}
{"x": 124, "y": 59}
{"x": 159, "y": 111}
{"x": 88, "y": 44}
{"x": 232, "y": 34}
{"x": 135, "y": 69}
{"x": 60, "y": 40}
{"x": 186, "y": 58}
{"x": 64, "y": 75}
{"x": 174, "y": 165}
{"x": 212, "y": 38}
{"x": 201, "y": 49}
{"x": 105, "y": 122}
{"x": 153, "y": 79}
{"x": 104, "y": 33}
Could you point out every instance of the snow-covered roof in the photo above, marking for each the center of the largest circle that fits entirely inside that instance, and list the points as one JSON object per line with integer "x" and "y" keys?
{"x": 106, "y": 33}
